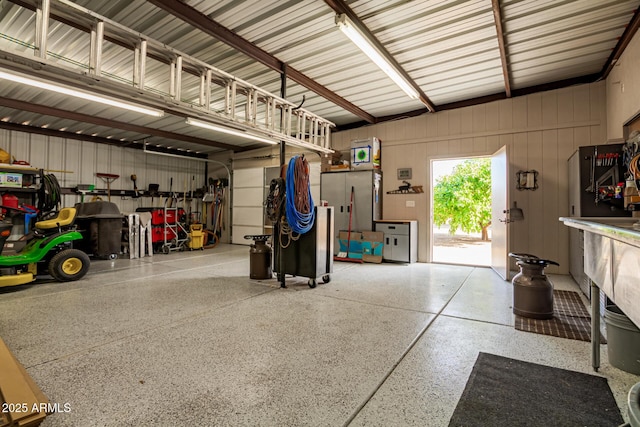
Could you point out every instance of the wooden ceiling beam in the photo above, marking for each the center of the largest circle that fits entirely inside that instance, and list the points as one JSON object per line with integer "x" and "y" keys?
{"x": 497, "y": 16}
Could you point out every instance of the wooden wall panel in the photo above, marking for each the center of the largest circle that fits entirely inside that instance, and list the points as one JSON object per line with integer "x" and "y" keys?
{"x": 519, "y": 111}
{"x": 494, "y": 142}
{"x": 443, "y": 124}
{"x": 597, "y": 97}
{"x": 565, "y": 106}
{"x": 536, "y": 198}
{"x": 519, "y": 231}
{"x": 596, "y": 136}
{"x": 582, "y": 137}
{"x": 479, "y": 114}
{"x": 549, "y": 108}
{"x": 455, "y": 146}
{"x": 466, "y": 122}
{"x": 431, "y": 124}
{"x": 534, "y": 110}
{"x": 506, "y": 114}
{"x": 565, "y": 150}
{"x": 492, "y": 116}
{"x": 479, "y": 145}
{"x": 550, "y": 203}
{"x": 455, "y": 122}
{"x": 581, "y": 107}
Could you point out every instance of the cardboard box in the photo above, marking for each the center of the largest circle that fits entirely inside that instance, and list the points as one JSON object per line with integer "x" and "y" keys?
{"x": 372, "y": 246}
{"x": 333, "y": 161}
{"x": 631, "y": 199}
{"x": 365, "y": 153}
{"x": 10, "y": 179}
{"x": 29, "y": 404}
{"x": 354, "y": 244}
{"x": 365, "y": 245}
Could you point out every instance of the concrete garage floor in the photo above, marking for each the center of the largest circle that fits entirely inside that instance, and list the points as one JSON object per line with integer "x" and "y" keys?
{"x": 188, "y": 339}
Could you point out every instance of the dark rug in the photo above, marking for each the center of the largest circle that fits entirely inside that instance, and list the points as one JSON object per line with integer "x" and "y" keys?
{"x": 508, "y": 392}
{"x": 570, "y": 319}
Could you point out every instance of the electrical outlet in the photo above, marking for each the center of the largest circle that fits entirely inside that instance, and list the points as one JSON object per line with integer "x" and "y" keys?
{"x": 410, "y": 203}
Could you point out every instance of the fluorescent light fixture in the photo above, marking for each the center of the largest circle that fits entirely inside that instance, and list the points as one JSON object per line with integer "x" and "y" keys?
{"x": 42, "y": 84}
{"x": 229, "y": 131}
{"x": 377, "y": 57}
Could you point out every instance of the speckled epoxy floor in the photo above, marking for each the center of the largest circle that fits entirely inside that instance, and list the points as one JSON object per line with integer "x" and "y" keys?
{"x": 188, "y": 339}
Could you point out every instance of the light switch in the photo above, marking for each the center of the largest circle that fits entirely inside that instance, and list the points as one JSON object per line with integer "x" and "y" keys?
{"x": 410, "y": 203}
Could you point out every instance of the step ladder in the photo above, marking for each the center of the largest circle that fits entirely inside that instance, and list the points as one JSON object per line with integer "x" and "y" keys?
{"x": 193, "y": 85}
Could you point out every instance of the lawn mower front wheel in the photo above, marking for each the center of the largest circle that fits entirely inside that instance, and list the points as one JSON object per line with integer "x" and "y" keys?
{"x": 69, "y": 265}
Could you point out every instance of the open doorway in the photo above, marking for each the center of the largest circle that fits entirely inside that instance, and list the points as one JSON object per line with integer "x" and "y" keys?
{"x": 461, "y": 211}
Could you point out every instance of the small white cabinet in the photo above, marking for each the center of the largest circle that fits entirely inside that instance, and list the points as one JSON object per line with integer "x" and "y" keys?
{"x": 400, "y": 239}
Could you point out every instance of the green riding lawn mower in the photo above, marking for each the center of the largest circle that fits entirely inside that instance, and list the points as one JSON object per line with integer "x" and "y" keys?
{"x": 48, "y": 250}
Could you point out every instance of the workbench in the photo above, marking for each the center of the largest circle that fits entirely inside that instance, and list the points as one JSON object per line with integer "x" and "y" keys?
{"x": 611, "y": 263}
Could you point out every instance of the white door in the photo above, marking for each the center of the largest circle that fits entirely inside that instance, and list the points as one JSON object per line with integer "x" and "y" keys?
{"x": 500, "y": 212}
{"x": 247, "y": 208}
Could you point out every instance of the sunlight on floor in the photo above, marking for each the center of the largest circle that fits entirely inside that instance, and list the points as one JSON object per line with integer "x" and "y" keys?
{"x": 460, "y": 248}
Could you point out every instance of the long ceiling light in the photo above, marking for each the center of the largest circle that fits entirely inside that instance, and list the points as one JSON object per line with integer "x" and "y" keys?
{"x": 229, "y": 131}
{"x": 42, "y": 84}
{"x": 360, "y": 40}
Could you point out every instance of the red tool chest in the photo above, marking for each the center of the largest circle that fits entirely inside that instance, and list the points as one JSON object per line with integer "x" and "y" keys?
{"x": 158, "y": 215}
{"x": 158, "y": 233}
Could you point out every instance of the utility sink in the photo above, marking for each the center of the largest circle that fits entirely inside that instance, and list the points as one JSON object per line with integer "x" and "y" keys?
{"x": 621, "y": 222}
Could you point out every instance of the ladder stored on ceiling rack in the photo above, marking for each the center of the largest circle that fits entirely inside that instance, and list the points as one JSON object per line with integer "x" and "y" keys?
{"x": 194, "y": 86}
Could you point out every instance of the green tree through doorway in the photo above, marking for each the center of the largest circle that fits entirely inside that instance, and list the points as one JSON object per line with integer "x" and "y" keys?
{"x": 463, "y": 198}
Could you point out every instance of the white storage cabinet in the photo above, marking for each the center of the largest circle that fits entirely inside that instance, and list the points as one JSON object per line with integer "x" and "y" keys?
{"x": 400, "y": 240}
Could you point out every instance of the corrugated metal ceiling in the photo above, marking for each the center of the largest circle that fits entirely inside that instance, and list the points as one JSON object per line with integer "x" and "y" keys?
{"x": 450, "y": 49}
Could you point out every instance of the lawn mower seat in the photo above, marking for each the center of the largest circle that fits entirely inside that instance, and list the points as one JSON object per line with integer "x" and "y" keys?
{"x": 64, "y": 218}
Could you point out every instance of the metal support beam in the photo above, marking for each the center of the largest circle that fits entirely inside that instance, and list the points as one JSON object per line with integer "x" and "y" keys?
{"x": 88, "y": 138}
{"x": 624, "y": 40}
{"x": 42, "y": 28}
{"x": 95, "y": 54}
{"x": 497, "y": 16}
{"x": 209, "y": 26}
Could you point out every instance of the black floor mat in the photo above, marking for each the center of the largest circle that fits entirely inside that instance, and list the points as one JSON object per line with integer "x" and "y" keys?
{"x": 508, "y": 392}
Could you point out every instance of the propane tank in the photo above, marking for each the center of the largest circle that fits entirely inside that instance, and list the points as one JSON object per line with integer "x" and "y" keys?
{"x": 532, "y": 289}
{"x": 260, "y": 257}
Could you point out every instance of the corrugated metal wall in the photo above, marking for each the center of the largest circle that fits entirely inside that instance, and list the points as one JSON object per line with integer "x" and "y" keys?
{"x": 77, "y": 162}
{"x": 542, "y": 130}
